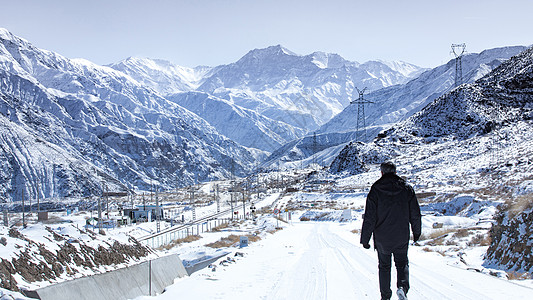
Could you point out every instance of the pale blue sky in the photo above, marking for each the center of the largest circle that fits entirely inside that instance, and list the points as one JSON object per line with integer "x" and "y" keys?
{"x": 214, "y": 32}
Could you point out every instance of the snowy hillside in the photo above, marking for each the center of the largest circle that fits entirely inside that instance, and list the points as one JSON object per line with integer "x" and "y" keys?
{"x": 393, "y": 104}
{"x": 502, "y": 97}
{"x": 242, "y": 125}
{"x": 94, "y": 124}
{"x": 475, "y": 140}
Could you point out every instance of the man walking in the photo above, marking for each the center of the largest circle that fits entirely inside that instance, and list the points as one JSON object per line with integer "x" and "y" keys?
{"x": 391, "y": 205}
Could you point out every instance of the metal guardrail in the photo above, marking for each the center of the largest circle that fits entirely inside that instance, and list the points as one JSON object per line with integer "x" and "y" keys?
{"x": 170, "y": 234}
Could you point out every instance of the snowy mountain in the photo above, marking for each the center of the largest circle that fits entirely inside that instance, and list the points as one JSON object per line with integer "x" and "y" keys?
{"x": 161, "y": 75}
{"x": 274, "y": 80}
{"x": 392, "y": 104}
{"x": 245, "y": 126}
{"x": 70, "y": 126}
{"x": 270, "y": 96}
{"x": 284, "y": 86}
{"x": 502, "y": 97}
{"x": 396, "y": 103}
{"x": 499, "y": 100}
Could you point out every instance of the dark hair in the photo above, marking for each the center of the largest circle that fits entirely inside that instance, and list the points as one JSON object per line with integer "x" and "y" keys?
{"x": 388, "y": 167}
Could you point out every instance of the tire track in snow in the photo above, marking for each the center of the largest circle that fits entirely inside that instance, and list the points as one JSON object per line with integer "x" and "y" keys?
{"x": 361, "y": 277}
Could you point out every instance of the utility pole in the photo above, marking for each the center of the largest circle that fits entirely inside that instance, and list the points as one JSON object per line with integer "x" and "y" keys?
{"x": 231, "y": 197}
{"x": 314, "y": 149}
{"x": 107, "y": 201}
{"x": 38, "y": 204}
{"x": 360, "y": 129}
{"x": 23, "y": 211}
{"x": 157, "y": 212}
{"x": 192, "y": 191}
{"x": 217, "y": 198}
{"x": 458, "y": 50}
{"x": 244, "y": 200}
{"x": 100, "y": 212}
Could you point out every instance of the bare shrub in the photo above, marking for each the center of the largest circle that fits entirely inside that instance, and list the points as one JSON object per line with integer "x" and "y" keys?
{"x": 356, "y": 231}
{"x": 177, "y": 242}
{"x": 518, "y": 275}
{"x": 438, "y": 237}
{"x": 480, "y": 240}
{"x": 232, "y": 240}
{"x": 220, "y": 227}
{"x": 224, "y": 242}
{"x": 461, "y": 233}
{"x": 519, "y": 204}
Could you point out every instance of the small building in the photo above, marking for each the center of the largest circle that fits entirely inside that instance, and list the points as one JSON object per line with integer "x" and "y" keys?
{"x": 142, "y": 216}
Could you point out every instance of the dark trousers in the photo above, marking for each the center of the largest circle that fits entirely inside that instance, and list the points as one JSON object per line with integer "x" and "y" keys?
{"x": 402, "y": 272}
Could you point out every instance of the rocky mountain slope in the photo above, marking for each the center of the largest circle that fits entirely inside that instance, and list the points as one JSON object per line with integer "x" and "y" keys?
{"x": 69, "y": 127}
{"x": 395, "y": 103}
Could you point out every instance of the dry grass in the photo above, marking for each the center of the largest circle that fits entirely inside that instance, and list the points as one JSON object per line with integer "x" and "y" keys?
{"x": 225, "y": 242}
{"x": 437, "y": 234}
{"x": 519, "y": 204}
{"x": 461, "y": 233}
{"x": 356, "y": 231}
{"x": 438, "y": 237}
{"x": 480, "y": 240}
{"x": 263, "y": 210}
{"x": 423, "y": 195}
{"x": 427, "y": 249}
{"x": 174, "y": 243}
{"x": 220, "y": 227}
{"x": 231, "y": 240}
{"x": 518, "y": 275}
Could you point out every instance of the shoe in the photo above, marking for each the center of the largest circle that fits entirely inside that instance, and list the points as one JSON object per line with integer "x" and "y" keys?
{"x": 401, "y": 294}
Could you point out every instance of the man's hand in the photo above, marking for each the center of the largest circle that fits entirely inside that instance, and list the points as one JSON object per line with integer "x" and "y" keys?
{"x": 416, "y": 237}
{"x": 366, "y": 246}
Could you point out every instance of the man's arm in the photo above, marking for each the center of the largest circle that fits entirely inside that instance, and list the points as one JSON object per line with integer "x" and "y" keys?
{"x": 415, "y": 217}
{"x": 369, "y": 221}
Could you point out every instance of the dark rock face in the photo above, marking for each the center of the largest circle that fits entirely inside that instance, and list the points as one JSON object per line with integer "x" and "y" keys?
{"x": 511, "y": 246}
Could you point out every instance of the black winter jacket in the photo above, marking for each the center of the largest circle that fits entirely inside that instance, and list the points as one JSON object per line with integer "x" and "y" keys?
{"x": 391, "y": 205}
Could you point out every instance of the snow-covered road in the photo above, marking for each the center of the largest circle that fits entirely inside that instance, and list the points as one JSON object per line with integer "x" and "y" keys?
{"x": 323, "y": 260}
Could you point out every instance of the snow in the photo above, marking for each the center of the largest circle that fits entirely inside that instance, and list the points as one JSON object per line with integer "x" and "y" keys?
{"x": 323, "y": 260}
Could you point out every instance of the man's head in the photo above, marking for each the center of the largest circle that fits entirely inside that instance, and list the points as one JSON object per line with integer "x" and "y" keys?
{"x": 388, "y": 167}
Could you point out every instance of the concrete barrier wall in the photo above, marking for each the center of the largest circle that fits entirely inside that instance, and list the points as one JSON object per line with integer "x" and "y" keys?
{"x": 125, "y": 283}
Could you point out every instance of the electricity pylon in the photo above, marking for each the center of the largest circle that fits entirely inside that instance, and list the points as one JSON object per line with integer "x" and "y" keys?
{"x": 360, "y": 133}
{"x": 458, "y": 50}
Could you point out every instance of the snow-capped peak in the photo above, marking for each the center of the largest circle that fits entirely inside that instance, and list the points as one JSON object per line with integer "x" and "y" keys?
{"x": 402, "y": 67}
{"x": 329, "y": 60}
{"x": 162, "y": 75}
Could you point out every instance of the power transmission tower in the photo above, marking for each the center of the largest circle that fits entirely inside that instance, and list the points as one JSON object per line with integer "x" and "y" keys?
{"x": 458, "y": 50}
{"x": 360, "y": 129}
